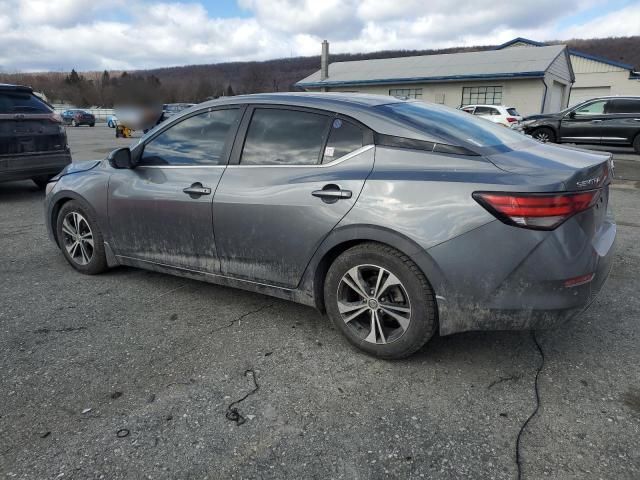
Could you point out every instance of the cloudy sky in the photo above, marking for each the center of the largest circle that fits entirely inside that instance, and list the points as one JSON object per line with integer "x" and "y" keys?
{"x": 37, "y": 35}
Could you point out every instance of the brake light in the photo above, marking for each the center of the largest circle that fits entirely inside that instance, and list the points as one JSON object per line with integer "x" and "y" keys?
{"x": 511, "y": 119}
{"x": 539, "y": 211}
{"x": 56, "y": 118}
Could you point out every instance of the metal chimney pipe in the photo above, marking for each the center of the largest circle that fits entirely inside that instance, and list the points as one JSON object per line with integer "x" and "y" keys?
{"x": 324, "y": 61}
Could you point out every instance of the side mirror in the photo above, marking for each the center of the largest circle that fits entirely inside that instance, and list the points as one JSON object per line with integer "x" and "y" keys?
{"x": 572, "y": 114}
{"x": 121, "y": 158}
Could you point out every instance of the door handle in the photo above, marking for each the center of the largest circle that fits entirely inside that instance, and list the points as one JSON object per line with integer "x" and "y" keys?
{"x": 197, "y": 190}
{"x": 596, "y": 121}
{"x": 331, "y": 193}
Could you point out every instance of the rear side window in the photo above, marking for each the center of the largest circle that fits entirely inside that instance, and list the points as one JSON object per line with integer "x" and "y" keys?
{"x": 486, "y": 111}
{"x": 284, "y": 137}
{"x": 451, "y": 126}
{"x": 344, "y": 138}
{"x": 196, "y": 140}
{"x": 513, "y": 111}
{"x": 22, "y": 103}
{"x": 624, "y": 105}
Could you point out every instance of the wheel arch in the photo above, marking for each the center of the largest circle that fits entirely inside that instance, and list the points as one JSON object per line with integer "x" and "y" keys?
{"x": 343, "y": 238}
{"x": 56, "y": 204}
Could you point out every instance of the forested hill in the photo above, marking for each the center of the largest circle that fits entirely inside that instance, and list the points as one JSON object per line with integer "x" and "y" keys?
{"x": 196, "y": 83}
{"x": 281, "y": 74}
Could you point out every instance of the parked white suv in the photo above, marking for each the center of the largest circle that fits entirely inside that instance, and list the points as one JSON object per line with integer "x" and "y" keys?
{"x": 507, "y": 116}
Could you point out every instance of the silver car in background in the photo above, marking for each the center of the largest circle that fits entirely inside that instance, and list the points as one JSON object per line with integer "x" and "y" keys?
{"x": 397, "y": 218}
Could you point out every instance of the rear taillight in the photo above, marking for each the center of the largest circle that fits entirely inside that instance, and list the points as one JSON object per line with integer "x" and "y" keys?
{"x": 540, "y": 211}
{"x": 55, "y": 118}
{"x": 511, "y": 119}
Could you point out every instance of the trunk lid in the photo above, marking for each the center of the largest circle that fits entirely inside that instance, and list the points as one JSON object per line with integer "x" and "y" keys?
{"x": 574, "y": 168}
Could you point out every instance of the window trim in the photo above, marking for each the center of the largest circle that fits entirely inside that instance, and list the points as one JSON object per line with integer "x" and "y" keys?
{"x": 138, "y": 150}
{"x": 241, "y": 135}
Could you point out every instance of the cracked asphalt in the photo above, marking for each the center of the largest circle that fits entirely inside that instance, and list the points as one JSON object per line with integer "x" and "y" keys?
{"x": 129, "y": 375}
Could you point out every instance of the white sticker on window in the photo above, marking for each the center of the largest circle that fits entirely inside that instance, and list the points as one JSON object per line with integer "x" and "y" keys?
{"x": 329, "y": 151}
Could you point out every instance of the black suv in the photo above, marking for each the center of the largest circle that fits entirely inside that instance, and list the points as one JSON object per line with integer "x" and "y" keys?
{"x": 605, "y": 121}
{"x": 33, "y": 142}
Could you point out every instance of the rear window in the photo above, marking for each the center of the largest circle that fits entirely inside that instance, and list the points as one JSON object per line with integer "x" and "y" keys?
{"x": 513, "y": 111}
{"x": 22, "y": 103}
{"x": 452, "y": 126}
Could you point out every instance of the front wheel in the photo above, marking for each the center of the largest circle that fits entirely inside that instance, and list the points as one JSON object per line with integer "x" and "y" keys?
{"x": 544, "y": 135}
{"x": 380, "y": 300}
{"x": 74, "y": 123}
{"x": 80, "y": 239}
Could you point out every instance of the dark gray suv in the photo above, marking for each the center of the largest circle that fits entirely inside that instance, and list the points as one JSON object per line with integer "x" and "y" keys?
{"x": 33, "y": 142}
{"x": 604, "y": 120}
{"x": 398, "y": 218}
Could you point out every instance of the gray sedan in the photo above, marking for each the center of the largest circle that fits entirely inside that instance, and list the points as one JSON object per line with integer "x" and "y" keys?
{"x": 397, "y": 218}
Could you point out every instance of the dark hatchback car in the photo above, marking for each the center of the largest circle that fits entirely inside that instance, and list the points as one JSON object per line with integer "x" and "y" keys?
{"x": 398, "y": 218}
{"x": 605, "y": 121}
{"x": 33, "y": 142}
{"x": 75, "y": 118}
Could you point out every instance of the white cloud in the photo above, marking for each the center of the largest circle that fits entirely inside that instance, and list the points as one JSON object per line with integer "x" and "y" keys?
{"x": 86, "y": 34}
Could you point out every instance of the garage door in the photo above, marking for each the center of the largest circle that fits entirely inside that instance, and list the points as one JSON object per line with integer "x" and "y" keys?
{"x": 580, "y": 94}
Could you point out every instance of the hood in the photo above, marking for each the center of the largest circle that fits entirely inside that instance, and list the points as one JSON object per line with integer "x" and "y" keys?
{"x": 543, "y": 116}
{"x": 77, "y": 167}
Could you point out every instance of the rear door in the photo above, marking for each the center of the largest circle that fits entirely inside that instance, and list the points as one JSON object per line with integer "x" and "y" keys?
{"x": 293, "y": 175}
{"x": 621, "y": 123}
{"x": 584, "y": 124}
{"x": 160, "y": 212}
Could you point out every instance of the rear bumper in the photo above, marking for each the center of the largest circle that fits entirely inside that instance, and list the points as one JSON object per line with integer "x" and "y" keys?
{"x": 21, "y": 167}
{"x": 528, "y": 291}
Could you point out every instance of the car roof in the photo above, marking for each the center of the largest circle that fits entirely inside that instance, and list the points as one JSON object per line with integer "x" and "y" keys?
{"x": 15, "y": 88}
{"x": 359, "y": 106}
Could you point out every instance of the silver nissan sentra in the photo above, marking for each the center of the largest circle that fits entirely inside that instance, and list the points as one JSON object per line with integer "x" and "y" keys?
{"x": 397, "y": 218}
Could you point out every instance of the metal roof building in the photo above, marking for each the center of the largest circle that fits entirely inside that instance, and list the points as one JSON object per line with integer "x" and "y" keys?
{"x": 533, "y": 80}
{"x": 595, "y": 76}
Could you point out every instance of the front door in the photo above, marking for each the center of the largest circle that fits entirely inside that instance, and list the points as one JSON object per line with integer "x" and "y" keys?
{"x": 289, "y": 188}
{"x": 160, "y": 212}
{"x": 584, "y": 124}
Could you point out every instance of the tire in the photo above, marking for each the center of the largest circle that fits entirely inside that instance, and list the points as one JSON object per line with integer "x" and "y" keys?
{"x": 544, "y": 135}
{"x": 92, "y": 124}
{"x": 74, "y": 123}
{"x": 636, "y": 143}
{"x": 41, "y": 182}
{"x": 74, "y": 218}
{"x": 411, "y": 300}
{"x": 110, "y": 124}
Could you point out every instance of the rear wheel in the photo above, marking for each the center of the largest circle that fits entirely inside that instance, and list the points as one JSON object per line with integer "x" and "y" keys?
{"x": 74, "y": 123}
{"x": 80, "y": 238}
{"x": 636, "y": 143}
{"x": 544, "y": 135}
{"x": 380, "y": 300}
{"x": 92, "y": 124}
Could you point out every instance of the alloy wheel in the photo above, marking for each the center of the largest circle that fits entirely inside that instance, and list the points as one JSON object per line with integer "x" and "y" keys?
{"x": 541, "y": 136}
{"x": 374, "y": 303}
{"x": 77, "y": 238}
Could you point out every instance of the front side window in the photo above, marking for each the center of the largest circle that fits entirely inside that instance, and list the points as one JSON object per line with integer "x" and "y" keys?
{"x": 284, "y": 137}
{"x": 196, "y": 140}
{"x": 406, "y": 92}
{"x": 344, "y": 138}
{"x": 486, "y": 95}
{"x": 595, "y": 108}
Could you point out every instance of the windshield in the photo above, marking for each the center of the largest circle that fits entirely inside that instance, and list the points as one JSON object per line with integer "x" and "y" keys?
{"x": 453, "y": 126}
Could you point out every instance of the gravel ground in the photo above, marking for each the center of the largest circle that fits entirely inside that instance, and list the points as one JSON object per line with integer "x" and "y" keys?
{"x": 129, "y": 375}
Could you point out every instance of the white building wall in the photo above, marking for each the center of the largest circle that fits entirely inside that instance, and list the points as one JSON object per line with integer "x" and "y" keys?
{"x": 524, "y": 94}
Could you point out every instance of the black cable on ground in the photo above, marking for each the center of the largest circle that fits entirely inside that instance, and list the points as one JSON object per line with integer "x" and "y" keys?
{"x": 533, "y": 414}
{"x": 232, "y": 412}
